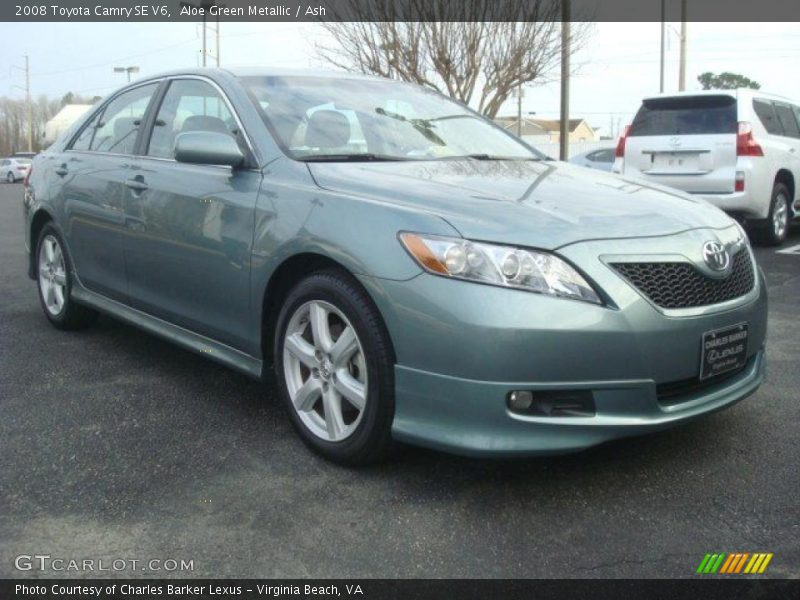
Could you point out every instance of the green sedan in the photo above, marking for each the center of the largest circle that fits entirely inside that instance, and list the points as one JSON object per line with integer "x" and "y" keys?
{"x": 395, "y": 265}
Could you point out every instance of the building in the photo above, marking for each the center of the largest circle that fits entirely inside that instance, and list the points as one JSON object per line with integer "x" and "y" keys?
{"x": 529, "y": 126}
{"x": 579, "y": 130}
{"x": 62, "y": 120}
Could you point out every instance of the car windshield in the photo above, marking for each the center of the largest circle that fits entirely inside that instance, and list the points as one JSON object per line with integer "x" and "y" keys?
{"x": 341, "y": 119}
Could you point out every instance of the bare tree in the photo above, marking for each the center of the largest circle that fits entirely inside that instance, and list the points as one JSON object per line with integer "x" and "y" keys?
{"x": 496, "y": 47}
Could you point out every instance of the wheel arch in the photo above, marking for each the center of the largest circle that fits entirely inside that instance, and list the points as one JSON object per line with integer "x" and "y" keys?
{"x": 40, "y": 218}
{"x": 785, "y": 177}
{"x": 291, "y": 271}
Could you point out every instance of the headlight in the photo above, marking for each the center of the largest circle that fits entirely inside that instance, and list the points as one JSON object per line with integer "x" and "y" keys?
{"x": 506, "y": 266}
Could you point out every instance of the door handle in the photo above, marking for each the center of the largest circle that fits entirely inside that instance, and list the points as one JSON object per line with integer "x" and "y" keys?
{"x": 137, "y": 185}
{"x": 62, "y": 170}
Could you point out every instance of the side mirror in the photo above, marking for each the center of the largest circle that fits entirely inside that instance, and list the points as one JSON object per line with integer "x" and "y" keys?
{"x": 208, "y": 148}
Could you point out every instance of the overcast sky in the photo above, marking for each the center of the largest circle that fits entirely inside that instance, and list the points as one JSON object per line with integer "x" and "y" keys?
{"x": 618, "y": 67}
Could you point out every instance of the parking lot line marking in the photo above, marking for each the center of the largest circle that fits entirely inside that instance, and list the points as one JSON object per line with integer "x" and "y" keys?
{"x": 789, "y": 250}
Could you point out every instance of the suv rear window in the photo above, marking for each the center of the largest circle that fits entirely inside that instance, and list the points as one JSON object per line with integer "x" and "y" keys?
{"x": 685, "y": 115}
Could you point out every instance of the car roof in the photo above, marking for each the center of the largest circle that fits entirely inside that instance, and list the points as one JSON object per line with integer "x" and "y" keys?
{"x": 735, "y": 93}
{"x": 258, "y": 72}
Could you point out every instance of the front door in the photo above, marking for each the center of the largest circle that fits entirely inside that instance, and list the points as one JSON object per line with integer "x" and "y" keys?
{"x": 188, "y": 260}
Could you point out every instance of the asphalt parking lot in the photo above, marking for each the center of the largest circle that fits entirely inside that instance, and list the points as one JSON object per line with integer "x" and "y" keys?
{"x": 115, "y": 444}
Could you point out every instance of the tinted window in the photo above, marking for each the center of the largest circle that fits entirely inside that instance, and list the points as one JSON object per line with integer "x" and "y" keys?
{"x": 787, "y": 120}
{"x": 119, "y": 125}
{"x": 189, "y": 105}
{"x": 84, "y": 139}
{"x": 766, "y": 114}
{"x": 605, "y": 155}
{"x": 689, "y": 115}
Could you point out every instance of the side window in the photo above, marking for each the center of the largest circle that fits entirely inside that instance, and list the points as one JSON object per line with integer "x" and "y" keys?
{"x": 119, "y": 124}
{"x": 189, "y": 105}
{"x": 766, "y": 114}
{"x": 84, "y": 140}
{"x": 4, "y": 163}
{"x": 606, "y": 155}
{"x": 787, "y": 120}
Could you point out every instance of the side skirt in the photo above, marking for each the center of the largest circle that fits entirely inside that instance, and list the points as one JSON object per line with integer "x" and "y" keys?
{"x": 230, "y": 357}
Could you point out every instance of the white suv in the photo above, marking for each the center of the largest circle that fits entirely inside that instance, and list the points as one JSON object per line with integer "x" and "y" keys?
{"x": 738, "y": 149}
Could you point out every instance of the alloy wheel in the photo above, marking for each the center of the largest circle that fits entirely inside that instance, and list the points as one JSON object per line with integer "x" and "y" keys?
{"x": 52, "y": 275}
{"x": 325, "y": 370}
{"x": 780, "y": 216}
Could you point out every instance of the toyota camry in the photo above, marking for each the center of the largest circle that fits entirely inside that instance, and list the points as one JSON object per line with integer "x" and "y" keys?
{"x": 397, "y": 266}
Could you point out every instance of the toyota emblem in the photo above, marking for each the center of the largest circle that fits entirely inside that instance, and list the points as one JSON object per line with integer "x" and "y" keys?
{"x": 716, "y": 256}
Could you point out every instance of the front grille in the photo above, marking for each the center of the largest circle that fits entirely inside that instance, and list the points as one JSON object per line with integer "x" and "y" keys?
{"x": 681, "y": 285}
{"x": 676, "y": 392}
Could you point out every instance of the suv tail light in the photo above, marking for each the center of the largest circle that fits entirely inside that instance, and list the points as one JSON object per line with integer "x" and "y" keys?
{"x": 746, "y": 145}
{"x": 27, "y": 176}
{"x": 620, "y": 151}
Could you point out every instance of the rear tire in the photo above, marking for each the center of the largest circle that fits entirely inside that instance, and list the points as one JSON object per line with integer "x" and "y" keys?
{"x": 773, "y": 230}
{"x": 10, "y": 178}
{"x": 54, "y": 280}
{"x": 334, "y": 368}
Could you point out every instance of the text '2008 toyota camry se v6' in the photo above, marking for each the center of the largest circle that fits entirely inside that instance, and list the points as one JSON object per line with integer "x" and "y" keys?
{"x": 406, "y": 269}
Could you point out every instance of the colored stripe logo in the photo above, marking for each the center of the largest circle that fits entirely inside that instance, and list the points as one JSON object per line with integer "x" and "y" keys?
{"x": 735, "y": 563}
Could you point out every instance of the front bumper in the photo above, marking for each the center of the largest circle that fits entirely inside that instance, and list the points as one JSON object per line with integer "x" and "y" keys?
{"x": 462, "y": 347}
{"x": 470, "y": 417}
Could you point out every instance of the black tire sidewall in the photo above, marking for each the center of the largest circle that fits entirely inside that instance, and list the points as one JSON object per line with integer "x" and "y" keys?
{"x": 345, "y": 294}
{"x": 771, "y": 238}
{"x": 10, "y": 178}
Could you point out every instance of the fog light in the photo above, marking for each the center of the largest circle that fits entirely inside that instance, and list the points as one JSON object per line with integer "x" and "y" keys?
{"x": 520, "y": 400}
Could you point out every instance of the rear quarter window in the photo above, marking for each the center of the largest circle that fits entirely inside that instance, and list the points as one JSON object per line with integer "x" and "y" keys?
{"x": 766, "y": 114}
{"x": 786, "y": 119}
{"x": 686, "y": 115}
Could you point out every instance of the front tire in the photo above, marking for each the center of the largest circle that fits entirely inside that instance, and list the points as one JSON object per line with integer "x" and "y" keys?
{"x": 334, "y": 368}
{"x": 774, "y": 229}
{"x": 54, "y": 279}
{"x": 10, "y": 178}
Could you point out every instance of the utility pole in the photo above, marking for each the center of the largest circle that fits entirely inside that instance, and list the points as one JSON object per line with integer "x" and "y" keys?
{"x": 127, "y": 71}
{"x": 682, "y": 73}
{"x": 663, "y": 42}
{"x": 205, "y": 5}
{"x": 563, "y": 153}
{"x": 28, "y": 102}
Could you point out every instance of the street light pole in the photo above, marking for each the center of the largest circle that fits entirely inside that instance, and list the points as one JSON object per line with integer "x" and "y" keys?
{"x": 127, "y": 71}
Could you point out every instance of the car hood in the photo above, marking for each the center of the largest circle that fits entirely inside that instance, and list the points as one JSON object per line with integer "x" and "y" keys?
{"x": 544, "y": 204}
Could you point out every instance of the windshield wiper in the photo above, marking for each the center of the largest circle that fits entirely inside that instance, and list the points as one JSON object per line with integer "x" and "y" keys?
{"x": 480, "y": 156}
{"x": 358, "y": 157}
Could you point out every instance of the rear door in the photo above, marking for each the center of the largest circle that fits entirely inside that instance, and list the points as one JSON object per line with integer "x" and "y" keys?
{"x": 91, "y": 178}
{"x": 686, "y": 142}
{"x": 787, "y": 117}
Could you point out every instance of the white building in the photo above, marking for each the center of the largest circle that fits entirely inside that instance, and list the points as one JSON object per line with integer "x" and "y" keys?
{"x": 62, "y": 120}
